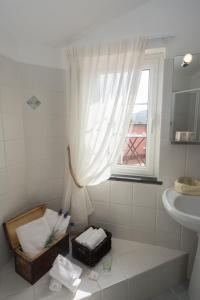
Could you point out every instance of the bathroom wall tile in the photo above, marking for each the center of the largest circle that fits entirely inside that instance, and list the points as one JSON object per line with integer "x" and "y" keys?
{"x": 35, "y": 125}
{"x": 2, "y": 155}
{"x": 165, "y": 223}
{"x": 56, "y": 167}
{"x": 101, "y": 212}
{"x": 11, "y": 99}
{"x": 17, "y": 176}
{"x": 121, "y": 192}
{"x": 145, "y": 195}
{"x": 38, "y": 191}
{"x": 38, "y": 170}
{"x": 100, "y": 192}
{"x": 116, "y": 292}
{"x": 3, "y": 207}
{"x": 15, "y": 202}
{"x": 13, "y": 126}
{"x": 120, "y": 214}
{"x": 15, "y": 152}
{"x": 144, "y": 235}
{"x": 5, "y": 251}
{"x": 54, "y": 204}
{"x": 37, "y": 148}
{"x": 159, "y": 193}
{"x": 193, "y": 161}
{"x": 56, "y": 103}
{"x": 3, "y": 181}
{"x": 172, "y": 160}
{"x": 44, "y": 190}
{"x": 120, "y": 232}
{"x": 57, "y": 188}
{"x": 1, "y": 126}
{"x": 55, "y": 126}
{"x": 168, "y": 239}
{"x": 144, "y": 217}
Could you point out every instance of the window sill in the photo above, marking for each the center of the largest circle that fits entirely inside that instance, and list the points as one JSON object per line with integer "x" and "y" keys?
{"x": 138, "y": 179}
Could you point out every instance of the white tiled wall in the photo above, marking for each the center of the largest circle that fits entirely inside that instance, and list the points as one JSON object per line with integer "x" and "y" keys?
{"x": 44, "y": 134}
{"x": 135, "y": 211}
{"x": 31, "y": 141}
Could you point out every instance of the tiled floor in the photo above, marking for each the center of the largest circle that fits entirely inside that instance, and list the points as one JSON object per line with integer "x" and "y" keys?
{"x": 139, "y": 272}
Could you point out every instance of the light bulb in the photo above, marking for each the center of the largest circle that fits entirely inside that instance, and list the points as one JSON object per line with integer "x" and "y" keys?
{"x": 187, "y": 58}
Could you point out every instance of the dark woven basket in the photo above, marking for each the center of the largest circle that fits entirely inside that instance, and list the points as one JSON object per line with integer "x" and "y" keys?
{"x": 91, "y": 257}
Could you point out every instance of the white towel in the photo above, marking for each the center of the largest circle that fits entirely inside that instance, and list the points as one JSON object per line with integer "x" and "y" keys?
{"x": 66, "y": 273}
{"x": 82, "y": 238}
{"x": 74, "y": 270}
{"x": 33, "y": 235}
{"x": 64, "y": 225}
{"x": 51, "y": 217}
{"x": 96, "y": 238}
{"x": 55, "y": 285}
{"x": 57, "y": 222}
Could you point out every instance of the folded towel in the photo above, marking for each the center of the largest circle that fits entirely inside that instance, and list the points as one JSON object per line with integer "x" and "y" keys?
{"x": 64, "y": 225}
{"x": 51, "y": 217}
{"x": 75, "y": 271}
{"x": 55, "y": 285}
{"x": 96, "y": 238}
{"x": 66, "y": 273}
{"x": 58, "y": 222}
{"x": 33, "y": 235}
{"x": 82, "y": 238}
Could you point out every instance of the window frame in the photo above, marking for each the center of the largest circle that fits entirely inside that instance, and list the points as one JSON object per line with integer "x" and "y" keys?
{"x": 154, "y": 61}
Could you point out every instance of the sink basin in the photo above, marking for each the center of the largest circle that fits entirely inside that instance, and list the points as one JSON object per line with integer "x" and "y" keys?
{"x": 185, "y": 209}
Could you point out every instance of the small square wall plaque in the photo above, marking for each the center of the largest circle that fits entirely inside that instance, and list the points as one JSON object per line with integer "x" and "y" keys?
{"x": 33, "y": 102}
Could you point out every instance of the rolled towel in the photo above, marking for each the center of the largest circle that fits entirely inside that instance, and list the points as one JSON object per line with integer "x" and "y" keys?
{"x": 96, "y": 238}
{"x": 82, "y": 238}
{"x": 55, "y": 285}
{"x": 64, "y": 276}
{"x": 32, "y": 236}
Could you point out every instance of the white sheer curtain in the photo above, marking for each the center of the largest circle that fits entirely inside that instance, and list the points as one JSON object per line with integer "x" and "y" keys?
{"x": 101, "y": 89}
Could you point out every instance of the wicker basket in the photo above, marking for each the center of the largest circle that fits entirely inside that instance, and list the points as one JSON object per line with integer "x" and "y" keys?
{"x": 91, "y": 257}
{"x": 187, "y": 186}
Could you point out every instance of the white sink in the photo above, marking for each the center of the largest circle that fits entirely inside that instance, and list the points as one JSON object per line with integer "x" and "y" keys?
{"x": 185, "y": 209}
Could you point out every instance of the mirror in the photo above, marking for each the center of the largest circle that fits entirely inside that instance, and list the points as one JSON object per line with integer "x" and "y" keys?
{"x": 185, "y": 119}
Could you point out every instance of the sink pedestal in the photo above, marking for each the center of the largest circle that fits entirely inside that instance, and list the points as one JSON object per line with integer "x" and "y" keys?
{"x": 194, "y": 288}
{"x": 185, "y": 209}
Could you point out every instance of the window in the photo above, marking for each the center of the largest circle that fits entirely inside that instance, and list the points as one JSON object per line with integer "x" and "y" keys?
{"x": 139, "y": 154}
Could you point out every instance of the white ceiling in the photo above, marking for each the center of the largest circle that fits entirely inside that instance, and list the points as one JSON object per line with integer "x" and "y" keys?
{"x": 57, "y": 22}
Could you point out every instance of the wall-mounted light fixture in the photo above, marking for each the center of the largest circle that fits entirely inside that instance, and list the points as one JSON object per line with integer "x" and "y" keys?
{"x": 187, "y": 59}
